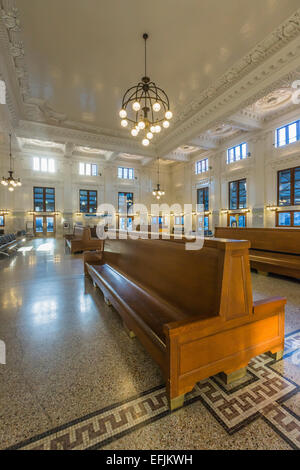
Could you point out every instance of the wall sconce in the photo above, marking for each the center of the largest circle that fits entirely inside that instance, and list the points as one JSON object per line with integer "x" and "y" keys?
{"x": 224, "y": 211}
{"x": 4, "y": 212}
{"x": 244, "y": 211}
{"x": 271, "y": 208}
{"x": 207, "y": 213}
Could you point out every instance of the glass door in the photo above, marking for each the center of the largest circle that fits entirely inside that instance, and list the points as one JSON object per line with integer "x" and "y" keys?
{"x": 49, "y": 226}
{"x": 125, "y": 201}
{"x": 39, "y": 226}
{"x": 237, "y": 220}
{"x": 44, "y": 226}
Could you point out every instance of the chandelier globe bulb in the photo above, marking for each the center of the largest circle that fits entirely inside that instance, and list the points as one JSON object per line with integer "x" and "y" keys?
{"x": 136, "y": 106}
{"x": 123, "y": 113}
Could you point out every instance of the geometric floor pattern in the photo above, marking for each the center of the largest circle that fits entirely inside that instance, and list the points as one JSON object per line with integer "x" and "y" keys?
{"x": 263, "y": 394}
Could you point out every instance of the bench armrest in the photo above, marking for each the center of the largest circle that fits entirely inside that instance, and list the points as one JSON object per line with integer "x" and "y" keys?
{"x": 92, "y": 258}
{"x": 267, "y": 306}
{"x": 206, "y": 326}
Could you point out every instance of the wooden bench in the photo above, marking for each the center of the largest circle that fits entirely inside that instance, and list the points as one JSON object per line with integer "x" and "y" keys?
{"x": 192, "y": 310}
{"x": 81, "y": 240}
{"x": 274, "y": 250}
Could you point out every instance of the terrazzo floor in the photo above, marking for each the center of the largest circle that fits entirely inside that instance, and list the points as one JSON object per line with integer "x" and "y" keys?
{"x": 74, "y": 380}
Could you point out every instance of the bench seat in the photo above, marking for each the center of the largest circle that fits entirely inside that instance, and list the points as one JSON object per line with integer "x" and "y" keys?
{"x": 193, "y": 311}
{"x": 148, "y": 307}
{"x": 274, "y": 250}
{"x": 279, "y": 263}
{"x": 81, "y": 240}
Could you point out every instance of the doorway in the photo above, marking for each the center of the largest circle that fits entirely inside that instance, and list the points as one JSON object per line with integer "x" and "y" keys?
{"x": 237, "y": 220}
{"x": 44, "y": 226}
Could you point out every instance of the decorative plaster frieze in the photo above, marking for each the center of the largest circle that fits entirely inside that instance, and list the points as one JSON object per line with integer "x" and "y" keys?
{"x": 28, "y": 129}
{"x": 278, "y": 60}
{"x": 266, "y": 48}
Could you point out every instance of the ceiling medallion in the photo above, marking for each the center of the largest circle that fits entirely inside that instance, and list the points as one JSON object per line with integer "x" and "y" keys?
{"x": 146, "y": 107}
{"x": 10, "y": 181}
{"x": 274, "y": 100}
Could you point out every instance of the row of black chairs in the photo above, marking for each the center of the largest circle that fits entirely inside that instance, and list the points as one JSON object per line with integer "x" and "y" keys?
{"x": 9, "y": 241}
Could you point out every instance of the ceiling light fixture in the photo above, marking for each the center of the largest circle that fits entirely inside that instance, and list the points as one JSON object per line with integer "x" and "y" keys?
{"x": 158, "y": 192}
{"x": 10, "y": 181}
{"x": 146, "y": 107}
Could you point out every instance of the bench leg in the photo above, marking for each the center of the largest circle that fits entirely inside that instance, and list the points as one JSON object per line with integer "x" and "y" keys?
{"x": 277, "y": 355}
{"x": 262, "y": 273}
{"x": 4, "y": 253}
{"x": 175, "y": 403}
{"x": 130, "y": 333}
{"x": 107, "y": 301}
{"x": 233, "y": 376}
{"x": 94, "y": 284}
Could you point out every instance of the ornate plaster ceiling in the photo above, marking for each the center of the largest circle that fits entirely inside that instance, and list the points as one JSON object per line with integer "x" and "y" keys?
{"x": 73, "y": 60}
{"x": 82, "y": 56}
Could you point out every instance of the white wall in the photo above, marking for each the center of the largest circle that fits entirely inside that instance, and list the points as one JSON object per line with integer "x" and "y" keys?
{"x": 178, "y": 179}
{"x": 260, "y": 170}
{"x": 67, "y": 183}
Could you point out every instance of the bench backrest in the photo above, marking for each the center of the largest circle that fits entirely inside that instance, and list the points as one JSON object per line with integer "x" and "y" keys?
{"x": 268, "y": 239}
{"x": 82, "y": 233}
{"x": 212, "y": 281}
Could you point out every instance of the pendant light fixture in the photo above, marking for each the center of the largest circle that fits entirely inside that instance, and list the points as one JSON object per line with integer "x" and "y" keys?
{"x": 145, "y": 107}
{"x": 10, "y": 181}
{"x": 158, "y": 192}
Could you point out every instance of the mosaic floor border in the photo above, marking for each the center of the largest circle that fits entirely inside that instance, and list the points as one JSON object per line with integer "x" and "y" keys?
{"x": 262, "y": 394}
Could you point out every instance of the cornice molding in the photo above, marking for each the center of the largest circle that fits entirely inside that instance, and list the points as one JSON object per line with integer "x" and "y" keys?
{"x": 274, "y": 60}
{"x": 275, "y": 41}
{"x": 28, "y": 129}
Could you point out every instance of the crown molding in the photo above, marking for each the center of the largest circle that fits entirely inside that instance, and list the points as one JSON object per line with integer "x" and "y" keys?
{"x": 28, "y": 129}
{"x": 265, "y": 68}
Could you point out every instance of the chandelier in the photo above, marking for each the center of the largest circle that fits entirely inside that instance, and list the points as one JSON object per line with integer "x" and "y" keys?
{"x": 10, "y": 181}
{"x": 158, "y": 192}
{"x": 145, "y": 107}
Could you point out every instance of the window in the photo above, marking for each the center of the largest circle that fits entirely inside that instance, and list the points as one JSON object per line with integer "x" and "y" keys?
{"x": 46, "y": 165}
{"x": 201, "y": 166}
{"x": 88, "y": 201}
{"x": 238, "y": 194}
{"x": 288, "y": 219}
{"x": 88, "y": 169}
{"x": 288, "y": 134}
{"x": 2, "y": 221}
{"x": 239, "y": 152}
{"x": 126, "y": 173}
{"x": 44, "y": 199}
{"x": 289, "y": 187}
{"x": 125, "y": 201}
{"x": 203, "y": 197}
